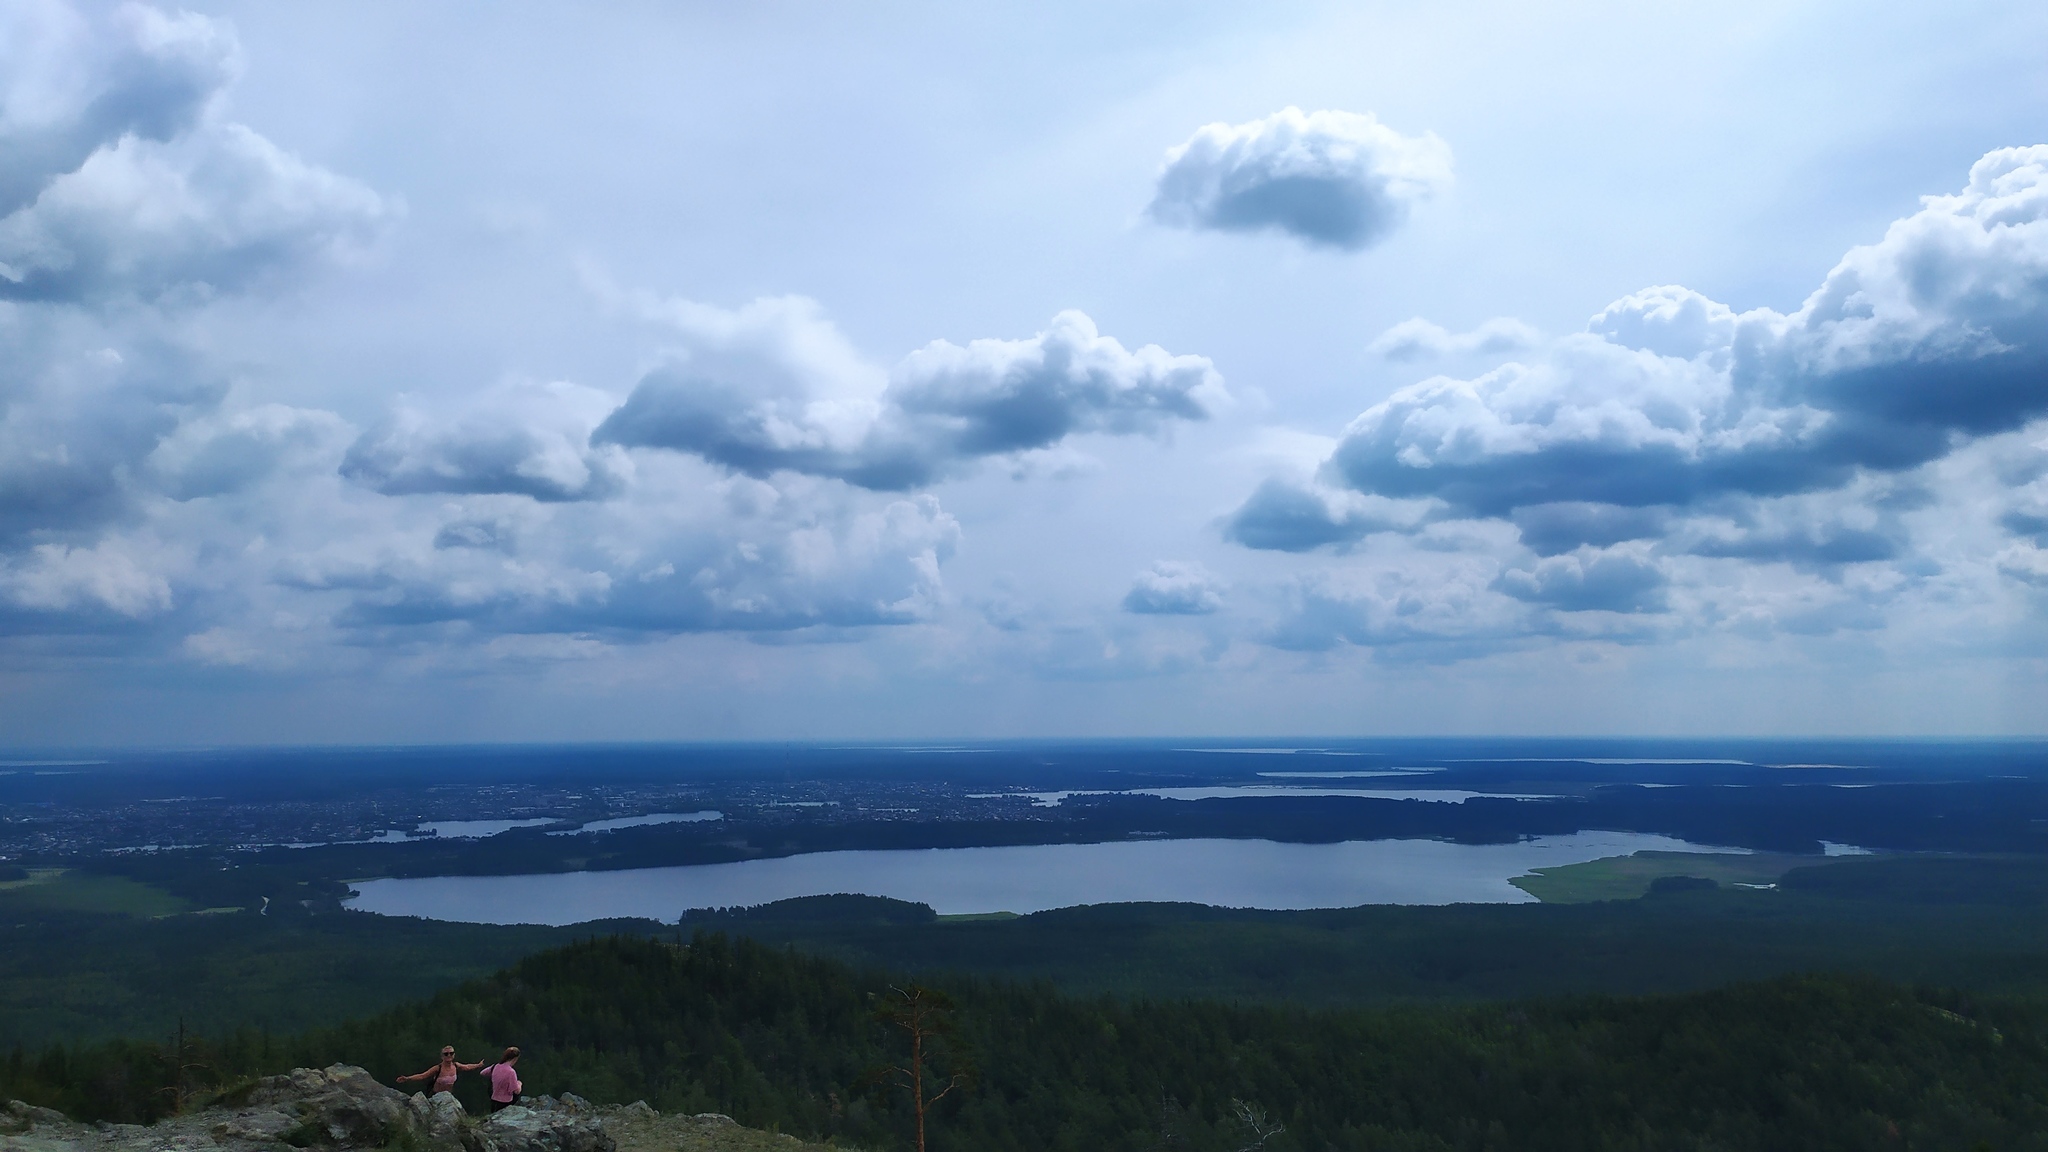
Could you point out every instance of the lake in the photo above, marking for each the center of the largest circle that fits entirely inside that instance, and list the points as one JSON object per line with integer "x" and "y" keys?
{"x": 1026, "y": 878}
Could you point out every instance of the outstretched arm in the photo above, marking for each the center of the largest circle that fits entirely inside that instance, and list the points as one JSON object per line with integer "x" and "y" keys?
{"x": 470, "y": 1067}
{"x": 420, "y": 1075}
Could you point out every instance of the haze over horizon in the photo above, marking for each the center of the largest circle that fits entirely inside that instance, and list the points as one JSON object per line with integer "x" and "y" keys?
{"x": 382, "y": 373}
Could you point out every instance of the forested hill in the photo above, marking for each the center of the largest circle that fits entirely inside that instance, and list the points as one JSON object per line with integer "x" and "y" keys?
{"x": 778, "y": 1039}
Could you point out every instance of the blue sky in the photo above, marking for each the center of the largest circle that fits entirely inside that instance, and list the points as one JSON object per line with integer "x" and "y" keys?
{"x": 409, "y": 373}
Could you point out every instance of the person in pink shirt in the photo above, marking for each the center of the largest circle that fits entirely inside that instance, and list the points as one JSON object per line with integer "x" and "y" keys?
{"x": 504, "y": 1077}
{"x": 443, "y": 1074}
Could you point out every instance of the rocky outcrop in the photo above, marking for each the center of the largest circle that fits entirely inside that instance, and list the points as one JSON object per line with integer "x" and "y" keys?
{"x": 339, "y": 1108}
{"x": 343, "y": 1109}
{"x": 547, "y": 1125}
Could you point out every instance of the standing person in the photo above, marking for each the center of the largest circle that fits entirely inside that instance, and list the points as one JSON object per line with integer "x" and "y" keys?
{"x": 442, "y": 1074}
{"x": 504, "y": 1077}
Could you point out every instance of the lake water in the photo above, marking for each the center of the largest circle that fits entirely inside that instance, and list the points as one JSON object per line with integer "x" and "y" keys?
{"x": 1028, "y": 878}
{"x": 642, "y": 821}
{"x": 476, "y": 829}
{"x": 1294, "y": 791}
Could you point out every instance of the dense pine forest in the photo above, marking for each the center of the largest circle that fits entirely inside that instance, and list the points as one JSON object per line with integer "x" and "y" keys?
{"x": 784, "y": 1040}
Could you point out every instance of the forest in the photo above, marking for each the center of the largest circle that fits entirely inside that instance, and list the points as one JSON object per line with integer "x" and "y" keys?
{"x": 783, "y": 1040}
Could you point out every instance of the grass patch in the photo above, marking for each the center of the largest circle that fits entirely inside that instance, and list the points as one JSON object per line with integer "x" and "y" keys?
{"x": 65, "y": 890}
{"x": 1630, "y": 877}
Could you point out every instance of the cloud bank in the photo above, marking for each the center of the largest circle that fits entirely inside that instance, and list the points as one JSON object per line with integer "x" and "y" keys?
{"x": 146, "y": 499}
{"x": 1331, "y": 179}
{"x": 1937, "y": 332}
{"x": 1655, "y": 465}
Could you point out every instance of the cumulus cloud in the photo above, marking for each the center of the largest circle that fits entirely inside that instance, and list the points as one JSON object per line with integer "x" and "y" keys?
{"x": 120, "y": 182}
{"x": 81, "y": 418}
{"x": 1291, "y": 516}
{"x": 1334, "y": 179}
{"x": 1448, "y": 606}
{"x": 219, "y": 209}
{"x": 1419, "y": 339}
{"x": 518, "y": 440}
{"x": 2025, "y": 563}
{"x": 792, "y": 568}
{"x": 1174, "y": 588}
{"x": 71, "y": 84}
{"x": 1683, "y": 468}
{"x": 229, "y": 451}
{"x": 1549, "y": 529}
{"x": 1935, "y": 334}
{"x": 1589, "y": 581}
{"x": 759, "y": 408}
{"x": 99, "y": 580}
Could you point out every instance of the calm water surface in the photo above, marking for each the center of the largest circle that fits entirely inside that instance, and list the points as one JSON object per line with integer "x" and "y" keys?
{"x": 1028, "y": 878}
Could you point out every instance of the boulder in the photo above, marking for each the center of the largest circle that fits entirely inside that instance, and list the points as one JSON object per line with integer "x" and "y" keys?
{"x": 551, "y": 1129}
{"x": 341, "y": 1103}
{"x": 18, "y": 1118}
{"x": 440, "y": 1120}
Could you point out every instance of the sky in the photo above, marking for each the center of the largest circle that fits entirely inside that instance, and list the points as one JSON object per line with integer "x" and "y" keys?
{"x": 395, "y": 373}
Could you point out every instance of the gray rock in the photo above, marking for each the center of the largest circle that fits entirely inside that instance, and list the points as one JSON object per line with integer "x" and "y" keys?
{"x": 441, "y": 1121}
{"x": 21, "y": 1117}
{"x": 342, "y": 1101}
{"x": 257, "y": 1125}
{"x": 523, "y": 1129}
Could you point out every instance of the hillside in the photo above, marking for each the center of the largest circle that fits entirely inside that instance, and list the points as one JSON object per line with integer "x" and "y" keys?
{"x": 784, "y": 1041}
{"x": 344, "y": 1109}
{"x": 70, "y": 973}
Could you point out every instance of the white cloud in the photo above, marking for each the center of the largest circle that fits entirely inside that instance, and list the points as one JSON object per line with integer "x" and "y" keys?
{"x": 105, "y": 578}
{"x": 229, "y": 451}
{"x": 645, "y": 564}
{"x": 1336, "y": 179}
{"x": 1174, "y": 588}
{"x": 522, "y": 440}
{"x": 1938, "y": 331}
{"x": 1861, "y": 465}
{"x": 944, "y": 407}
{"x": 1589, "y": 580}
{"x": 1419, "y": 339}
{"x": 219, "y": 209}
{"x": 71, "y": 84}
{"x": 81, "y": 417}
{"x": 1287, "y": 515}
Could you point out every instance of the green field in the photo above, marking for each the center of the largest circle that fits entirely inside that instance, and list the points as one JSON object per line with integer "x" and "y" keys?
{"x": 1629, "y": 877}
{"x": 66, "y": 890}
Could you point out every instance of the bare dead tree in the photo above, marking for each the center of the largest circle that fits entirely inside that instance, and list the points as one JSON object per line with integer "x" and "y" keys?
{"x": 1258, "y": 1127}
{"x": 184, "y": 1058}
{"x": 925, "y": 1015}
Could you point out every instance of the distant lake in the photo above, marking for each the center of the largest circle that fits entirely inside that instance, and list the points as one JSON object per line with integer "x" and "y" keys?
{"x": 1027, "y": 878}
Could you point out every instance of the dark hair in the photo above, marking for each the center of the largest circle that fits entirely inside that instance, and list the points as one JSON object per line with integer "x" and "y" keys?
{"x": 510, "y": 1055}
